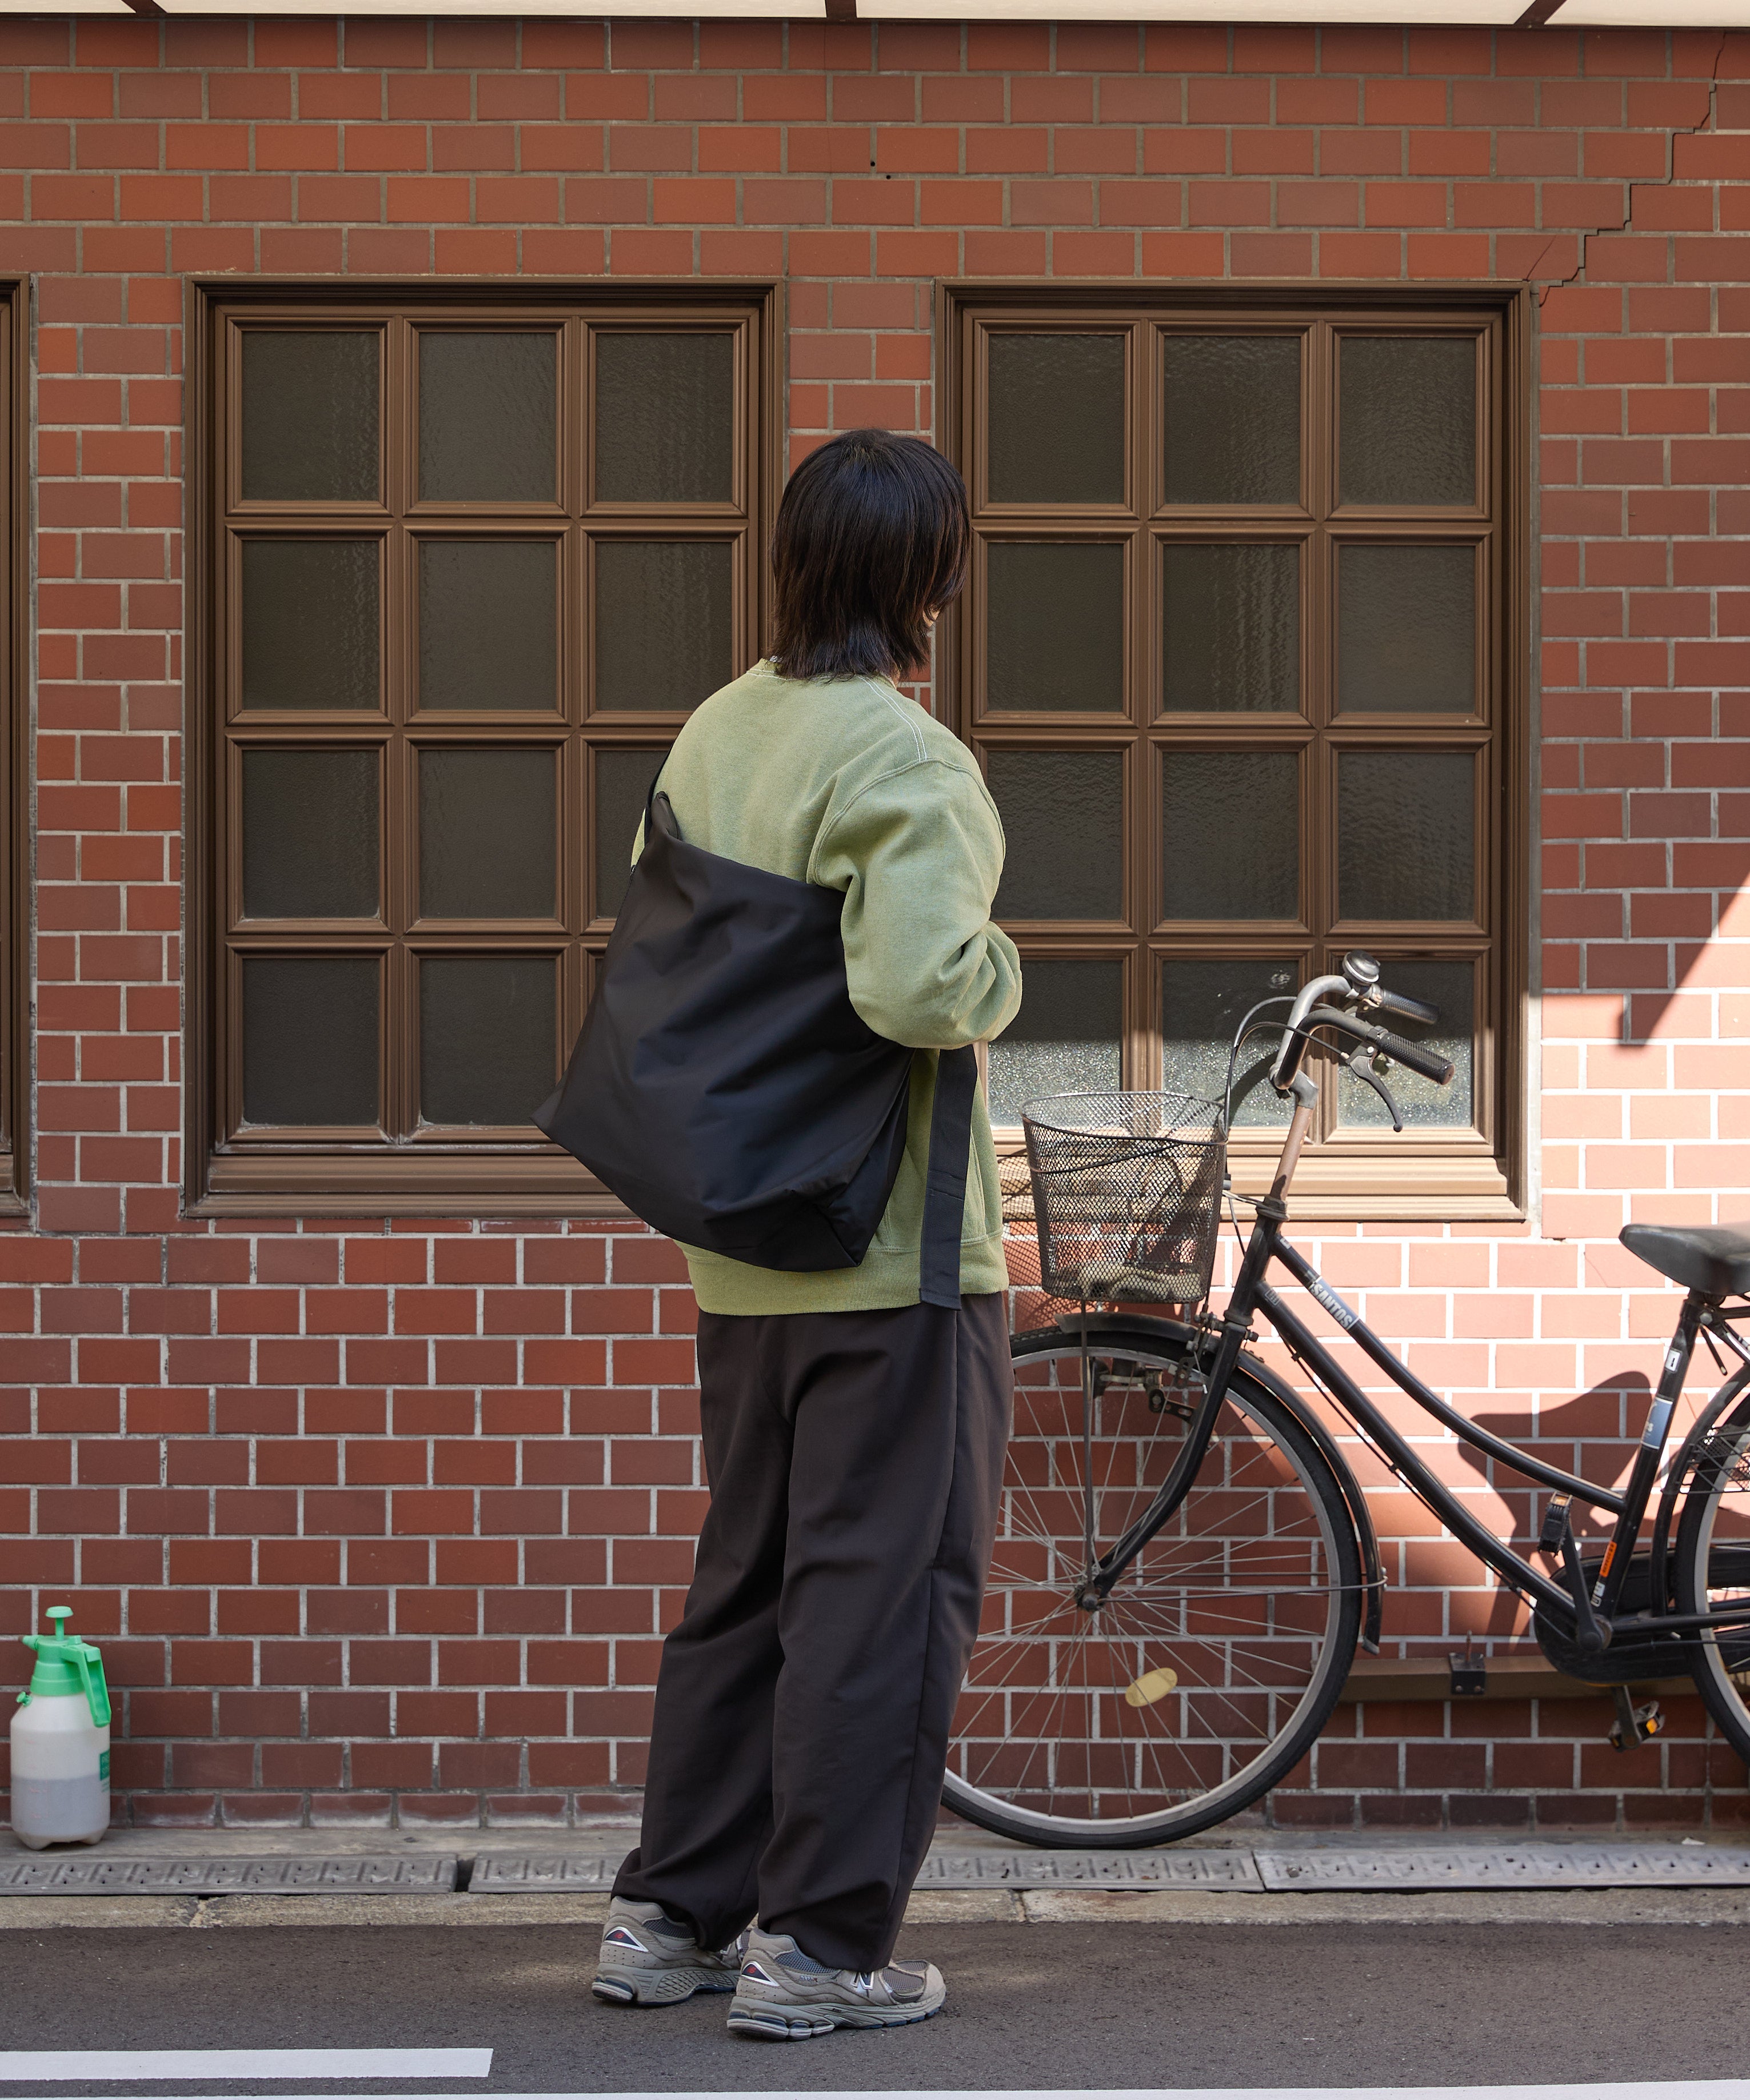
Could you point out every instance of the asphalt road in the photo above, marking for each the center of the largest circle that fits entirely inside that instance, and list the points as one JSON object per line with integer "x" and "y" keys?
{"x": 1042, "y": 2005}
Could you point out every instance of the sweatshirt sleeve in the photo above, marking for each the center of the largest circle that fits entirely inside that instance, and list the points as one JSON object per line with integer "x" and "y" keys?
{"x": 918, "y": 854}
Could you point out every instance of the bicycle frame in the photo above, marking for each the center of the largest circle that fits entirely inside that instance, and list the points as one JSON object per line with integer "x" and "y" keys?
{"x": 1594, "y": 1613}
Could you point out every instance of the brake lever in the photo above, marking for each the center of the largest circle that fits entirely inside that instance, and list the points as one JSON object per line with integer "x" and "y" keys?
{"x": 1366, "y": 1071}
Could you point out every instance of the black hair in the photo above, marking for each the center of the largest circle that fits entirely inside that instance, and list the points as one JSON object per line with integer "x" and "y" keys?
{"x": 872, "y": 537}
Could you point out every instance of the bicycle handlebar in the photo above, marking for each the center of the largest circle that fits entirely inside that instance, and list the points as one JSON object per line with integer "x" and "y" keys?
{"x": 1411, "y": 1055}
{"x": 1402, "y": 1007}
{"x": 1359, "y": 986}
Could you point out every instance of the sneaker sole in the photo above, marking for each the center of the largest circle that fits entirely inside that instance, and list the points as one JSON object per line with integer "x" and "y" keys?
{"x": 808, "y": 2022}
{"x": 654, "y": 1987}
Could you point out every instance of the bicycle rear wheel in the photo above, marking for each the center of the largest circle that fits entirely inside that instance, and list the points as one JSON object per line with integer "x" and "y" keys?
{"x": 1712, "y": 1570}
{"x": 1217, "y": 1658}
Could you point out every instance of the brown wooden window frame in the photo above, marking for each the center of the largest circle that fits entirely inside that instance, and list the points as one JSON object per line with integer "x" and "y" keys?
{"x": 1360, "y": 1174}
{"x": 234, "y": 1169}
{"x": 14, "y": 748}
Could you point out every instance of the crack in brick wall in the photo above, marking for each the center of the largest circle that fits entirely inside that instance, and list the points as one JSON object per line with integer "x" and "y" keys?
{"x": 1704, "y": 122}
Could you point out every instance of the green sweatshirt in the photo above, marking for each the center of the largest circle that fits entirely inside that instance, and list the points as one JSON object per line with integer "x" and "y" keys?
{"x": 845, "y": 783}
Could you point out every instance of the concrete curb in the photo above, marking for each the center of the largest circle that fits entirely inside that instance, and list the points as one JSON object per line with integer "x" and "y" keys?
{"x": 998, "y": 1902}
{"x": 1571, "y": 1906}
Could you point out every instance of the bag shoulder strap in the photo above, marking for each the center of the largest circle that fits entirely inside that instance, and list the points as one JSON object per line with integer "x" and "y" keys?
{"x": 945, "y": 1186}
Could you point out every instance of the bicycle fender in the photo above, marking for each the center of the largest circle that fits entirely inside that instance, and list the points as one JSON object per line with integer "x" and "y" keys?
{"x": 1677, "y": 1473}
{"x": 1360, "y": 1515}
{"x": 1129, "y": 1323}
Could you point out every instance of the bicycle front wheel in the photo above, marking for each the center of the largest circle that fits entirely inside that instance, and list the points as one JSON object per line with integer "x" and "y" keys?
{"x": 1217, "y": 1658}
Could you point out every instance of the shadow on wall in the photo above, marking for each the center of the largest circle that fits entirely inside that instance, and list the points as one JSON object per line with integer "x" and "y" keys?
{"x": 1677, "y": 892}
{"x": 1610, "y": 1414}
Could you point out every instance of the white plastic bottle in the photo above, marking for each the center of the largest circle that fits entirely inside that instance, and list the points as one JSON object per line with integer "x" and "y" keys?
{"x": 60, "y": 1743}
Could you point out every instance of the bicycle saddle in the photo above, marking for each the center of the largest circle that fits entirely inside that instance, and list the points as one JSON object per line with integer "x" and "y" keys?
{"x": 1714, "y": 1259}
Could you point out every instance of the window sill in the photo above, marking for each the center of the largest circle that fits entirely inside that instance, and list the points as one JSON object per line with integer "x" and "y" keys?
{"x": 1451, "y": 1184}
{"x": 1412, "y": 1184}
{"x": 330, "y": 1185}
{"x": 1424, "y": 1209}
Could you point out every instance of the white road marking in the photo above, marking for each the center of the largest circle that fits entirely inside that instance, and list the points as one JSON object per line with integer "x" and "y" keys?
{"x": 47, "y": 2065}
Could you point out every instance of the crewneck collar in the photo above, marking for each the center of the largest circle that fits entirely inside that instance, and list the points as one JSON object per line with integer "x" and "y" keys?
{"x": 831, "y": 678}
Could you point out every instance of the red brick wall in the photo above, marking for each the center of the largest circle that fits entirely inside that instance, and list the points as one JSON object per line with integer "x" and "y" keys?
{"x": 388, "y": 1519}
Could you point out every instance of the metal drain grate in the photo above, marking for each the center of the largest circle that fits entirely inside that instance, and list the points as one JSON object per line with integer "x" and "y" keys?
{"x": 506, "y": 1872}
{"x": 1509, "y": 1866}
{"x": 1377, "y": 1868}
{"x": 1085, "y": 1870}
{"x": 511, "y": 1874}
{"x": 232, "y": 1876}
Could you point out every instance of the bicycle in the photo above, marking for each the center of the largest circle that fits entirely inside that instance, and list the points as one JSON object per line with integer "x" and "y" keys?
{"x": 1185, "y": 1562}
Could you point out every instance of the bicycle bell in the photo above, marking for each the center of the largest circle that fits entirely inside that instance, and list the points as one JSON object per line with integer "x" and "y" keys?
{"x": 1362, "y": 972}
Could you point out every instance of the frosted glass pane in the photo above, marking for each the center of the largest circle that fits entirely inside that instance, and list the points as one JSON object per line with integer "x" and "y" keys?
{"x": 1231, "y": 834}
{"x": 488, "y": 625}
{"x": 623, "y": 780}
{"x": 310, "y": 415}
{"x": 1408, "y": 410}
{"x": 665, "y": 418}
{"x": 1063, "y": 816}
{"x": 664, "y": 631}
{"x": 1406, "y": 631}
{"x": 1231, "y": 409}
{"x": 486, "y": 1037}
{"x": 488, "y": 416}
{"x": 310, "y": 624}
{"x": 1064, "y": 1040}
{"x": 1231, "y": 629}
{"x": 1054, "y": 627}
{"x": 1056, "y": 419}
{"x": 486, "y": 834}
{"x": 1406, "y": 835}
{"x": 310, "y": 1032}
{"x": 309, "y": 825}
{"x": 1450, "y": 986}
{"x": 1202, "y": 1005}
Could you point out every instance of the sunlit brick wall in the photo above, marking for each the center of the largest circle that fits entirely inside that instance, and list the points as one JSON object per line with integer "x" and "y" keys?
{"x": 379, "y": 1521}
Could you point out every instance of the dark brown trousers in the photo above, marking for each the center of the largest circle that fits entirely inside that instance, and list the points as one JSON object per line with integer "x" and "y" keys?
{"x": 804, "y": 1701}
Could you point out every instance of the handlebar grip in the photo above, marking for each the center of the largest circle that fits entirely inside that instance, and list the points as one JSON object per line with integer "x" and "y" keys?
{"x": 1414, "y": 1057}
{"x": 1401, "y": 1008}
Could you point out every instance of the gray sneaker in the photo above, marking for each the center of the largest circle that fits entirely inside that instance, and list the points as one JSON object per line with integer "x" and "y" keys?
{"x": 646, "y": 1959}
{"x": 782, "y": 1996}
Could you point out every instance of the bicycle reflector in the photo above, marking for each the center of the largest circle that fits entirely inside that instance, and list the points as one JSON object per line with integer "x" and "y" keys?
{"x": 1152, "y": 1685}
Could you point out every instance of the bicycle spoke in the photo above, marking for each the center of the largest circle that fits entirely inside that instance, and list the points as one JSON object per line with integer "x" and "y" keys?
{"x": 1205, "y": 1647}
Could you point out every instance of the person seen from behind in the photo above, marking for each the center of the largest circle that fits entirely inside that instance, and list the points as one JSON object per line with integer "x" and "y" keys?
{"x": 853, "y": 1436}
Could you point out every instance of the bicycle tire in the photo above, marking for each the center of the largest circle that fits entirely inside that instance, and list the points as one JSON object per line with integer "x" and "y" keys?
{"x": 999, "y": 1776}
{"x": 1712, "y": 1565}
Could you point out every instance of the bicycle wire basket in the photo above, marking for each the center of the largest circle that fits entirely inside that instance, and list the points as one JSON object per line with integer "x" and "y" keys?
{"x": 1126, "y": 1194}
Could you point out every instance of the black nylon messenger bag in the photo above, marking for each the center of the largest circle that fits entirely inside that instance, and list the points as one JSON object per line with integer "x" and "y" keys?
{"x": 727, "y": 1090}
